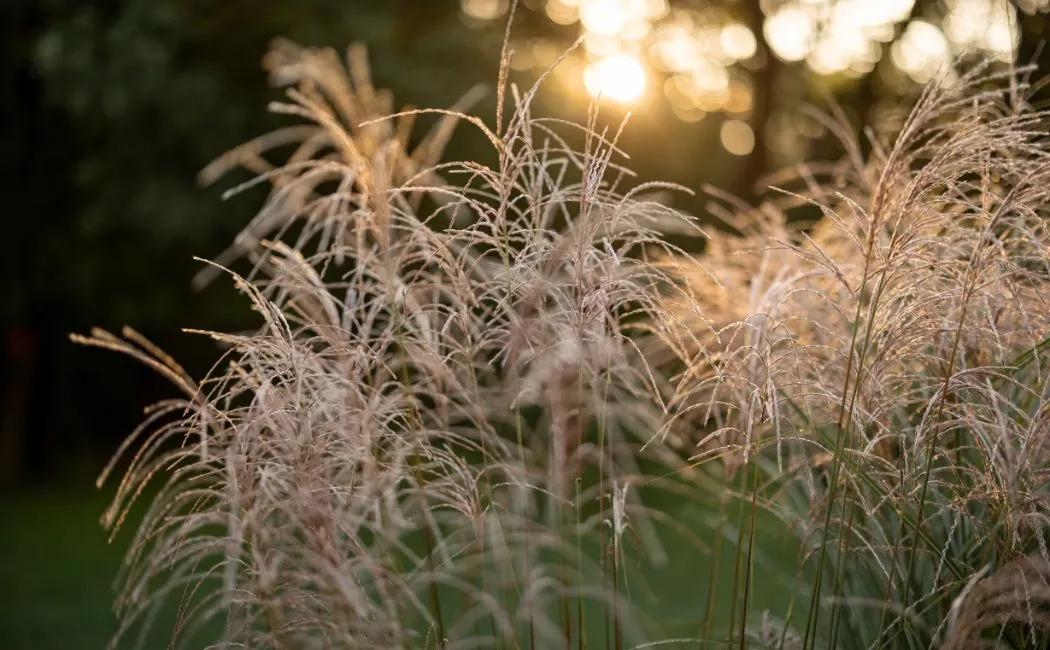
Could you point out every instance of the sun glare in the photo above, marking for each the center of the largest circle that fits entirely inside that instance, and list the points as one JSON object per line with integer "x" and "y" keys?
{"x": 620, "y": 77}
{"x": 705, "y": 55}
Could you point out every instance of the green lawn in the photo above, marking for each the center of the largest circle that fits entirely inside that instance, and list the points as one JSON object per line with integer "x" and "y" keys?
{"x": 56, "y": 569}
{"x": 57, "y": 573}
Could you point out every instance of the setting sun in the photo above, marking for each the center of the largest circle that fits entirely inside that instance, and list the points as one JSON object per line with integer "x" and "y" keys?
{"x": 620, "y": 78}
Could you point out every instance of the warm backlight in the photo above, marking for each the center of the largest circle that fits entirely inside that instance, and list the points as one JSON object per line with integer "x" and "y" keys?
{"x": 620, "y": 77}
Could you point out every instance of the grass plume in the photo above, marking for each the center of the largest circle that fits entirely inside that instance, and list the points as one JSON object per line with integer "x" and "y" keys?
{"x": 461, "y": 373}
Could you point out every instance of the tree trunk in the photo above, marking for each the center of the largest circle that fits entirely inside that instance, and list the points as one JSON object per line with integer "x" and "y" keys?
{"x": 1032, "y": 47}
{"x": 764, "y": 83}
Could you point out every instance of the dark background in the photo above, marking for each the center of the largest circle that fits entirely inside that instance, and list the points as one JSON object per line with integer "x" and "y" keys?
{"x": 108, "y": 108}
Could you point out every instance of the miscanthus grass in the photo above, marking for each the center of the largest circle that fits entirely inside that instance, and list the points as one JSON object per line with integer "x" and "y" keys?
{"x": 879, "y": 373}
{"x": 465, "y": 376}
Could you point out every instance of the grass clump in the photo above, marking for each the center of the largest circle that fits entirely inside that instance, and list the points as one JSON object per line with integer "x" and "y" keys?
{"x": 884, "y": 366}
{"x": 465, "y": 376}
{"x": 397, "y": 457}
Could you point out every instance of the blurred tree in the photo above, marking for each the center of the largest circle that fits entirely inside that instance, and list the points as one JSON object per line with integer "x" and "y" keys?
{"x": 111, "y": 108}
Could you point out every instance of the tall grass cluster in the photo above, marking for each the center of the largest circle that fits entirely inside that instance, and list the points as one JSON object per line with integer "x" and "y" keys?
{"x": 467, "y": 380}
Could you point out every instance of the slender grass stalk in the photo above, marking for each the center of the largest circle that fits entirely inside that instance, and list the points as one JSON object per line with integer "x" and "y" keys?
{"x": 716, "y": 559}
{"x": 578, "y": 502}
{"x": 750, "y": 568}
{"x": 737, "y": 570}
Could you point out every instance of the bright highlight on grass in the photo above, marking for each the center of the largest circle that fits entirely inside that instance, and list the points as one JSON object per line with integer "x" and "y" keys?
{"x": 620, "y": 78}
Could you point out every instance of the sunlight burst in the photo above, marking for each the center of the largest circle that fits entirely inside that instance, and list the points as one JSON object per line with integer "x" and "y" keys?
{"x": 620, "y": 77}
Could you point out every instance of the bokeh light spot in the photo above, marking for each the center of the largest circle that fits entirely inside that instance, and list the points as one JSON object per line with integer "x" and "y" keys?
{"x": 738, "y": 42}
{"x": 922, "y": 51}
{"x": 484, "y": 9}
{"x": 606, "y": 17}
{"x": 737, "y": 137}
{"x": 789, "y": 33}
